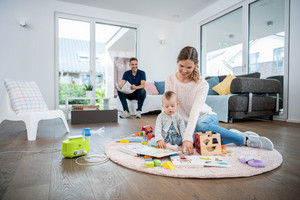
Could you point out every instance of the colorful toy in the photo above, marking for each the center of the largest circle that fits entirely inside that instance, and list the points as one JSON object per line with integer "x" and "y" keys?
{"x": 252, "y": 162}
{"x": 157, "y": 163}
{"x": 146, "y": 157}
{"x": 137, "y": 133}
{"x": 149, "y": 164}
{"x": 168, "y": 165}
{"x": 124, "y": 141}
{"x": 208, "y": 144}
{"x": 223, "y": 147}
{"x": 147, "y": 129}
{"x": 150, "y": 136}
{"x": 144, "y": 142}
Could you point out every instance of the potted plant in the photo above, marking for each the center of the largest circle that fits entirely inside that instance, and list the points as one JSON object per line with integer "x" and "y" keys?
{"x": 89, "y": 90}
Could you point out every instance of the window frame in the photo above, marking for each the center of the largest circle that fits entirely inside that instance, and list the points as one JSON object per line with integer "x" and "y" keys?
{"x": 92, "y": 60}
{"x": 245, "y": 5}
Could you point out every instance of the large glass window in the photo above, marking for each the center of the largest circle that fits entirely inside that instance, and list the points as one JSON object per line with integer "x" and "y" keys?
{"x": 266, "y": 36}
{"x": 221, "y": 45}
{"x": 90, "y": 52}
{"x": 248, "y": 38}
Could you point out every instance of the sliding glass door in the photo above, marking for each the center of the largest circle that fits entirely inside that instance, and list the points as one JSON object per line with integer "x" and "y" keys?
{"x": 251, "y": 37}
{"x": 266, "y": 38}
{"x": 89, "y": 52}
{"x": 221, "y": 45}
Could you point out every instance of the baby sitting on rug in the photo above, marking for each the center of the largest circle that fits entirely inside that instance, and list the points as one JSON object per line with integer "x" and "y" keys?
{"x": 170, "y": 125}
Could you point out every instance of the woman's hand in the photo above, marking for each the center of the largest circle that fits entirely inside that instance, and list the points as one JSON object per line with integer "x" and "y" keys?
{"x": 161, "y": 144}
{"x": 188, "y": 147}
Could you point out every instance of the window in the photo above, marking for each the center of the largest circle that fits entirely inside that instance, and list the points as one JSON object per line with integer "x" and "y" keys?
{"x": 266, "y": 36}
{"x": 87, "y": 54}
{"x": 250, "y": 37}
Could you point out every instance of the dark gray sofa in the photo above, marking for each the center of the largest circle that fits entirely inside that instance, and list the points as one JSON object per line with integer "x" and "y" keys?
{"x": 254, "y": 97}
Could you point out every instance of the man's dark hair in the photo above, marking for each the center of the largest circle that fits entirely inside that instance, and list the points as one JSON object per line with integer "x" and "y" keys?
{"x": 132, "y": 59}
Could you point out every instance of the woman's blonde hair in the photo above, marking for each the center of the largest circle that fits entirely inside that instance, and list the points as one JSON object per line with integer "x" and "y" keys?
{"x": 190, "y": 53}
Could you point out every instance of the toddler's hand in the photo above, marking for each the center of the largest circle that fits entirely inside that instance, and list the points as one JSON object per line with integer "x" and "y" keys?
{"x": 161, "y": 144}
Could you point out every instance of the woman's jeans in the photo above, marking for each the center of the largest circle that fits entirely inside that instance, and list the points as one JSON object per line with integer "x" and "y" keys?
{"x": 210, "y": 123}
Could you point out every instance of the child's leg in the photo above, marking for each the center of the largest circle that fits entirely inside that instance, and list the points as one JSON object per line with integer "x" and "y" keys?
{"x": 210, "y": 123}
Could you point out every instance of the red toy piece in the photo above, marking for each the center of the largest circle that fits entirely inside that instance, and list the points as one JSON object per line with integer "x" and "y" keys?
{"x": 150, "y": 136}
{"x": 147, "y": 129}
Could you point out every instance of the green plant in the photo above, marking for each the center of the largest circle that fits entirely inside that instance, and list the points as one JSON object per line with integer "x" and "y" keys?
{"x": 88, "y": 87}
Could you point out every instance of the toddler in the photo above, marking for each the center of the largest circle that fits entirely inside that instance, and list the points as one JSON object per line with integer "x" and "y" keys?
{"x": 170, "y": 125}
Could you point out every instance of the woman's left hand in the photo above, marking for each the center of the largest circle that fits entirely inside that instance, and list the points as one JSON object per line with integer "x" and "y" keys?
{"x": 188, "y": 146}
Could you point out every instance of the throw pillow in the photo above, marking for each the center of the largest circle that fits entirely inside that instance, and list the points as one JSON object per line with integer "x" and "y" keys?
{"x": 25, "y": 96}
{"x": 223, "y": 88}
{"x": 151, "y": 89}
{"x": 160, "y": 86}
{"x": 212, "y": 83}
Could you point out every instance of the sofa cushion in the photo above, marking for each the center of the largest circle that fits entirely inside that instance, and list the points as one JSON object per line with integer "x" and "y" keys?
{"x": 252, "y": 75}
{"x": 212, "y": 83}
{"x": 151, "y": 89}
{"x": 25, "y": 96}
{"x": 223, "y": 88}
{"x": 160, "y": 85}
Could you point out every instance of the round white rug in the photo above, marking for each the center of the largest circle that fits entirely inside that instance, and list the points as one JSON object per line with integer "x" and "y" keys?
{"x": 272, "y": 159}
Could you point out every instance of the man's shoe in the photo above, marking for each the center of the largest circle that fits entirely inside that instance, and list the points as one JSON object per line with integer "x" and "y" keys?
{"x": 138, "y": 114}
{"x": 259, "y": 142}
{"x": 125, "y": 114}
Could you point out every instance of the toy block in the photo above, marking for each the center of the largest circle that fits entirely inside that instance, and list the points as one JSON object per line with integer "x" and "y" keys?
{"x": 223, "y": 147}
{"x": 149, "y": 164}
{"x": 124, "y": 141}
{"x": 144, "y": 142}
{"x": 141, "y": 133}
{"x": 137, "y": 133}
{"x": 157, "y": 163}
{"x": 168, "y": 165}
{"x": 147, "y": 129}
{"x": 150, "y": 136}
{"x": 146, "y": 157}
{"x": 208, "y": 144}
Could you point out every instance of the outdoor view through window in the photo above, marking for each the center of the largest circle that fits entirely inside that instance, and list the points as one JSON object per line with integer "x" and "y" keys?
{"x": 113, "y": 46}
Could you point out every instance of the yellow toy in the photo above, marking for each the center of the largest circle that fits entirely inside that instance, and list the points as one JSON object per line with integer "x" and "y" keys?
{"x": 168, "y": 165}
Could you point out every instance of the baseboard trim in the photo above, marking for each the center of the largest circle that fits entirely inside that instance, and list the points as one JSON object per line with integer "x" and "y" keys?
{"x": 293, "y": 120}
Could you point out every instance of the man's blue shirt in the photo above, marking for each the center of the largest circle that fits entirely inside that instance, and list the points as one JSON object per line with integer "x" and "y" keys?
{"x": 134, "y": 80}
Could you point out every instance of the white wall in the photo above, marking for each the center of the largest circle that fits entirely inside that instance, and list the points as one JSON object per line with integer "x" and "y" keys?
{"x": 191, "y": 35}
{"x": 28, "y": 53}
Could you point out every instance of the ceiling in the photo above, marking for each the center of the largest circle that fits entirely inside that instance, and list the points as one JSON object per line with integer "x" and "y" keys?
{"x": 172, "y": 10}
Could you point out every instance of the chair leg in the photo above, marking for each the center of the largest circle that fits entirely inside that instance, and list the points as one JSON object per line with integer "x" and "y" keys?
{"x": 31, "y": 126}
{"x": 63, "y": 118}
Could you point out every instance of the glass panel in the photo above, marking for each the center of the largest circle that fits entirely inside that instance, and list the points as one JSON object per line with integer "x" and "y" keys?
{"x": 266, "y": 37}
{"x": 73, "y": 58}
{"x": 113, "y": 44}
{"x": 221, "y": 45}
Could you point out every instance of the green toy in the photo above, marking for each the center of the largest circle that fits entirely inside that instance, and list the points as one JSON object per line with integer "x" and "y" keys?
{"x": 75, "y": 146}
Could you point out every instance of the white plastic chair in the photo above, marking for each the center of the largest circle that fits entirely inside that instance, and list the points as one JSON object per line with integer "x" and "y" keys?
{"x": 31, "y": 119}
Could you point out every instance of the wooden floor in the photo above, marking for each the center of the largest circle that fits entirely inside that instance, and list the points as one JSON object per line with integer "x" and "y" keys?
{"x": 44, "y": 174}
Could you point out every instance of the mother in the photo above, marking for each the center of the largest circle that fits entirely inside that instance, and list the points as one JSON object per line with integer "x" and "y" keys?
{"x": 192, "y": 91}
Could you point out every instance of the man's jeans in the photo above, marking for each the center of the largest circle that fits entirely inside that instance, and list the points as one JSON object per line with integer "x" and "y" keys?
{"x": 139, "y": 95}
